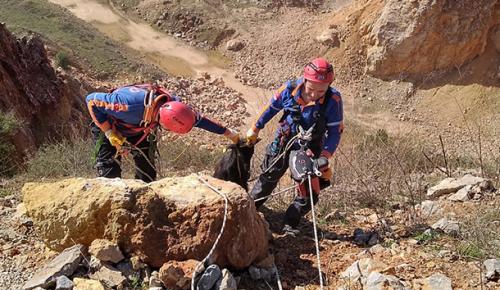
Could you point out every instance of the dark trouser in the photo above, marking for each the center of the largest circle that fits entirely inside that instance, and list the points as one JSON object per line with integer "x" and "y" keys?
{"x": 268, "y": 181}
{"x": 108, "y": 166}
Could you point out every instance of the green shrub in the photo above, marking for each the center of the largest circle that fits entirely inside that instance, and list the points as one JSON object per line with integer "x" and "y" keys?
{"x": 62, "y": 60}
{"x": 68, "y": 158}
{"x": 8, "y": 124}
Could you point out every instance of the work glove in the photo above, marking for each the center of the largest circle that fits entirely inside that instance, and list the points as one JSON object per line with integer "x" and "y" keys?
{"x": 252, "y": 136}
{"x": 115, "y": 138}
{"x": 232, "y": 135}
{"x": 324, "y": 168}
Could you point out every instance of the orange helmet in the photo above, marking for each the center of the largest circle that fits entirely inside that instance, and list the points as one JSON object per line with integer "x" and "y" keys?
{"x": 177, "y": 117}
{"x": 319, "y": 70}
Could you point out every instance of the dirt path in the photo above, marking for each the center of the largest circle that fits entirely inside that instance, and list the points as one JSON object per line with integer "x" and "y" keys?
{"x": 173, "y": 56}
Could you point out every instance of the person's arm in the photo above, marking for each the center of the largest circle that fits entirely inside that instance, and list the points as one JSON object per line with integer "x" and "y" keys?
{"x": 214, "y": 127}
{"x": 335, "y": 126}
{"x": 271, "y": 109}
{"x": 96, "y": 105}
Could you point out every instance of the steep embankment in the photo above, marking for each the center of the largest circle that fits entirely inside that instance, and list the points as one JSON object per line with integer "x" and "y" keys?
{"x": 40, "y": 102}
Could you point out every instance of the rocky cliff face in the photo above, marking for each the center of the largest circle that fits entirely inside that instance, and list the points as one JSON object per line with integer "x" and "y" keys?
{"x": 417, "y": 37}
{"x": 41, "y": 100}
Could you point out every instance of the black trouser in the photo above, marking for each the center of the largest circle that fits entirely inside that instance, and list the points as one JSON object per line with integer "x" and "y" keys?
{"x": 268, "y": 181}
{"x": 108, "y": 166}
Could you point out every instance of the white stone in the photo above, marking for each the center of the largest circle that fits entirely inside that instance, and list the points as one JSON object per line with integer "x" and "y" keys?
{"x": 492, "y": 269}
{"x": 437, "y": 281}
{"x": 446, "y": 225}
{"x": 429, "y": 208}
{"x": 449, "y": 185}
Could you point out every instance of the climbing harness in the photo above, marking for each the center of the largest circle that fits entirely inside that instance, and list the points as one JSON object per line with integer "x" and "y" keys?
{"x": 220, "y": 233}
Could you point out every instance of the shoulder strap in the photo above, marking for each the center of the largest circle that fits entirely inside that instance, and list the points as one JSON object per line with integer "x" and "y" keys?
{"x": 295, "y": 106}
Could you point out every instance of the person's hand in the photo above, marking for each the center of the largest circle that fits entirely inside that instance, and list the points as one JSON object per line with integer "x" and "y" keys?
{"x": 115, "y": 138}
{"x": 252, "y": 136}
{"x": 324, "y": 168}
{"x": 232, "y": 135}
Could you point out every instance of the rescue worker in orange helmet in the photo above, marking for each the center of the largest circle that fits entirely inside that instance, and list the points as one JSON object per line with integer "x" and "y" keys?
{"x": 306, "y": 102}
{"x": 131, "y": 114}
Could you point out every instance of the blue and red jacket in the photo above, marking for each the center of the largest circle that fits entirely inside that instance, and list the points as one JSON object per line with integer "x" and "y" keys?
{"x": 288, "y": 97}
{"x": 124, "y": 109}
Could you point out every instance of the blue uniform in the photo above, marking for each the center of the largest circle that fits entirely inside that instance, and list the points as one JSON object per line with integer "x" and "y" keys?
{"x": 289, "y": 95}
{"x": 124, "y": 109}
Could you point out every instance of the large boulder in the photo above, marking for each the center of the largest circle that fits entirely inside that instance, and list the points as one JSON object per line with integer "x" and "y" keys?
{"x": 418, "y": 37}
{"x": 170, "y": 219}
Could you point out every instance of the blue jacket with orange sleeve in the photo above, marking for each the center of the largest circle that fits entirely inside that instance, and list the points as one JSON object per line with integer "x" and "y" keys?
{"x": 124, "y": 109}
{"x": 288, "y": 97}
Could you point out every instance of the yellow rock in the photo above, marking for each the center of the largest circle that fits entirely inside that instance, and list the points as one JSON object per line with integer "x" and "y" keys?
{"x": 87, "y": 284}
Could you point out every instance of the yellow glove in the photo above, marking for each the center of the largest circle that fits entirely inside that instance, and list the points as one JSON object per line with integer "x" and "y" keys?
{"x": 252, "y": 135}
{"x": 232, "y": 135}
{"x": 115, "y": 138}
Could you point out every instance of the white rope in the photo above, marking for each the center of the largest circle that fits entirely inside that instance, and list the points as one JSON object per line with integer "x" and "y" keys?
{"x": 276, "y": 193}
{"x": 280, "y": 287}
{"x": 315, "y": 232}
{"x": 277, "y": 158}
{"x": 220, "y": 233}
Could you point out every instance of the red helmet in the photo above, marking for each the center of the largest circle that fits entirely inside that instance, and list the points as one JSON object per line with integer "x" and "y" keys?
{"x": 319, "y": 70}
{"x": 177, "y": 117}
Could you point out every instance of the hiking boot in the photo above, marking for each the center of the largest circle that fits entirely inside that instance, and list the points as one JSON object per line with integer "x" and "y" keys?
{"x": 289, "y": 231}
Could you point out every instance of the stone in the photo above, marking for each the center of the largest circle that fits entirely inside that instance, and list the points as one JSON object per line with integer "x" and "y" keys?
{"x": 175, "y": 274}
{"x": 446, "y": 225}
{"x": 137, "y": 264}
{"x": 209, "y": 278}
{"x": 154, "y": 280}
{"x": 492, "y": 269}
{"x": 437, "y": 281}
{"x": 378, "y": 281}
{"x": 377, "y": 249}
{"x": 159, "y": 221}
{"x": 429, "y": 208}
{"x": 63, "y": 264}
{"x": 329, "y": 37}
{"x": 359, "y": 270}
{"x": 105, "y": 251}
{"x": 87, "y": 284}
{"x": 464, "y": 194}
{"x": 254, "y": 273}
{"x": 234, "y": 45}
{"x": 94, "y": 263}
{"x": 227, "y": 282}
{"x": 64, "y": 283}
{"x": 449, "y": 185}
{"x": 109, "y": 276}
{"x": 125, "y": 267}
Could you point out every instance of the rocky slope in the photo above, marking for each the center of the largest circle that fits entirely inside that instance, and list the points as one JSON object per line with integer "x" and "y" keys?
{"x": 44, "y": 103}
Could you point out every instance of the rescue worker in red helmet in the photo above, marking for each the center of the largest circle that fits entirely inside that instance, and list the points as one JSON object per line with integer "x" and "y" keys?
{"x": 306, "y": 102}
{"x": 131, "y": 114}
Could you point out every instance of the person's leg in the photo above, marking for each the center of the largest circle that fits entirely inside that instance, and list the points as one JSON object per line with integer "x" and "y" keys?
{"x": 299, "y": 207}
{"x": 106, "y": 165}
{"x": 268, "y": 181}
{"x": 144, "y": 160}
